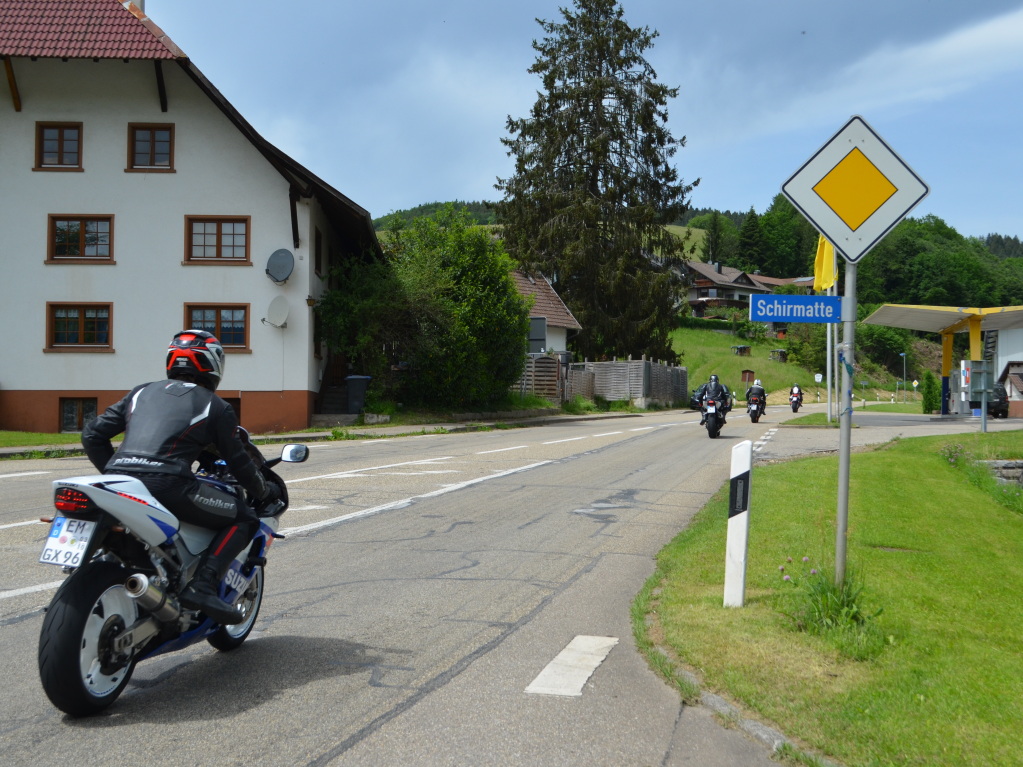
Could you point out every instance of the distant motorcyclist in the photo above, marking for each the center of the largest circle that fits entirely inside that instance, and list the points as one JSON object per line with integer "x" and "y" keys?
{"x": 167, "y": 425}
{"x": 757, "y": 389}
{"x": 795, "y": 391}
{"x": 716, "y": 391}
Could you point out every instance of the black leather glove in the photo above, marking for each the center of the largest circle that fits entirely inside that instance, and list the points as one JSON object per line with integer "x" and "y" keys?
{"x": 273, "y": 494}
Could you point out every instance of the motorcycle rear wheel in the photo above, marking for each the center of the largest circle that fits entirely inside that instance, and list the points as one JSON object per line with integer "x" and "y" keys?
{"x": 228, "y": 638}
{"x": 80, "y": 673}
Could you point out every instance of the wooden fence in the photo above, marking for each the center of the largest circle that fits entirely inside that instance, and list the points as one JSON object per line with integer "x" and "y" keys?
{"x": 642, "y": 381}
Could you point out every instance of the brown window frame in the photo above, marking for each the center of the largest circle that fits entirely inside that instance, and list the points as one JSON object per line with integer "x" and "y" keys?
{"x": 78, "y": 346}
{"x": 59, "y": 167}
{"x": 218, "y": 307}
{"x": 133, "y": 129}
{"x": 218, "y": 260}
{"x": 81, "y": 405}
{"x": 51, "y": 239}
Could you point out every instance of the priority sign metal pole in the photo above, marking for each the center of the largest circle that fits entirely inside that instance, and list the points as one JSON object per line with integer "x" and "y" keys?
{"x": 845, "y": 357}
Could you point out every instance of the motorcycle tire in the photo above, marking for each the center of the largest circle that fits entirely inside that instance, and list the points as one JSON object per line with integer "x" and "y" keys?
{"x": 713, "y": 427}
{"x": 795, "y": 407}
{"x": 754, "y": 416}
{"x": 228, "y": 638}
{"x": 79, "y": 672}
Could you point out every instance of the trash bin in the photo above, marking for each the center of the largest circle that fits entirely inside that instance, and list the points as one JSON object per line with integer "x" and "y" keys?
{"x": 357, "y": 386}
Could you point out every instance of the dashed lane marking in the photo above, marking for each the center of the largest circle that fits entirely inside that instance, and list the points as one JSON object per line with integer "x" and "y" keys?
{"x": 760, "y": 443}
{"x": 567, "y": 673}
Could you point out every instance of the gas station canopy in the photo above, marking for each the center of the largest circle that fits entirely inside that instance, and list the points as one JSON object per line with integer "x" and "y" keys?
{"x": 949, "y": 320}
{"x": 946, "y": 319}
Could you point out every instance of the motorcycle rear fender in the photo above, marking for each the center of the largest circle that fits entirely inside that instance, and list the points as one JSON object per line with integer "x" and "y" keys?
{"x": 128, "y": 501}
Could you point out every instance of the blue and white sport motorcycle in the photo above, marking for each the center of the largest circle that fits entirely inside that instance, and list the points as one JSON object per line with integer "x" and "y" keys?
{"x": 127, "y": 559}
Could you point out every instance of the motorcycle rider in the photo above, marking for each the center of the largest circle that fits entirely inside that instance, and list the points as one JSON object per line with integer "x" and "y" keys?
{"x": 757, "y": 389}
{"x": 796, "y": 391}
{"x": 717, "y": 391}
{"x": 166, "y": 425}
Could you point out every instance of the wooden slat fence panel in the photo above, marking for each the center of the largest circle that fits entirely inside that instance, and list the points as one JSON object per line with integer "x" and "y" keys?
{"x": 641, "y": 380}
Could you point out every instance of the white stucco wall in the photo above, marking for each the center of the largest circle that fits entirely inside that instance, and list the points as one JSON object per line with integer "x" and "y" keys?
{"x": 218, "y": 172}
{"x": 1010, "y": 348}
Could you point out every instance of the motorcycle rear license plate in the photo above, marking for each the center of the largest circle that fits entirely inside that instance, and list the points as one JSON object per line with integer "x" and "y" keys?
{"x": 67, "y": 542}
{"x": 711, "y": 409}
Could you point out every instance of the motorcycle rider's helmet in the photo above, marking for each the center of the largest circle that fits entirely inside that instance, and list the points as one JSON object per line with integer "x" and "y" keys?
{"x": 713, "y": 378}
{"x": 196, "y": 355}
{"x": 757, "y": 383}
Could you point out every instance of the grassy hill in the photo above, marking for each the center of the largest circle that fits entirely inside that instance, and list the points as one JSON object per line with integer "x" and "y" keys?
{"x": 709, "y": 351}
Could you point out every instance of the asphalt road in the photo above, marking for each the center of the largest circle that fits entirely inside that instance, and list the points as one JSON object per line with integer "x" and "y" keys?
{"x": 424, "y": 584}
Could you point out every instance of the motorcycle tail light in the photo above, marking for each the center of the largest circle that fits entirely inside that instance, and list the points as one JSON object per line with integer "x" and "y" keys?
{"x": 71, "y": 501}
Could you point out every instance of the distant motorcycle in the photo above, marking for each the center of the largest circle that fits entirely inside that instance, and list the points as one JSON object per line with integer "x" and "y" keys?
{"x": 127, "y": 559}
{"x": 795, "y": 400}
{"x": 712, "y": 410}
{"x": 755, "y": 406}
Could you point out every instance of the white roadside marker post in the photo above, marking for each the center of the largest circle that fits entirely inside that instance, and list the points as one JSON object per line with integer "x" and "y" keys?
{"x": 737, "y": 541}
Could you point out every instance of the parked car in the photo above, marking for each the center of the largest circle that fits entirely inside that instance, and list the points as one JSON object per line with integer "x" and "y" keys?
{"x": 997, "y": 402}
{"x": 998, "y": 405}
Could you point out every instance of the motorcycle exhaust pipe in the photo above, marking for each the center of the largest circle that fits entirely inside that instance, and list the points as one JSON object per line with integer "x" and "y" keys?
{"x": 150, "y": 598}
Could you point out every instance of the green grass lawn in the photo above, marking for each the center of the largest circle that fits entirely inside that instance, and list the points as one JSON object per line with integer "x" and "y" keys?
{"x": 935, "y": 552}
{"x": 31, "y": 439}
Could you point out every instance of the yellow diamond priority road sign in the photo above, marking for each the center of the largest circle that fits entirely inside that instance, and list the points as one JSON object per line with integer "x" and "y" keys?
{"x": 855, "y": 189}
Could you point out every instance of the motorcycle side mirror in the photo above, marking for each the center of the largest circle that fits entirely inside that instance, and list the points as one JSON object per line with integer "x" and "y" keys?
{"x": 294, "y": 453}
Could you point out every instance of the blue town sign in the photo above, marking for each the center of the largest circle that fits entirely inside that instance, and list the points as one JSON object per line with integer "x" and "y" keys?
{"x": 784, "y": 308}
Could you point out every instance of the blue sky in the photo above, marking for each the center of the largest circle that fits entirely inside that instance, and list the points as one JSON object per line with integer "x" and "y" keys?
{"x": 401, "y": 102}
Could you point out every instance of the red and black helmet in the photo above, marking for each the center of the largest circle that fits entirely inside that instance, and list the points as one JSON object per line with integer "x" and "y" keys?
{"x": 198, "y": 355}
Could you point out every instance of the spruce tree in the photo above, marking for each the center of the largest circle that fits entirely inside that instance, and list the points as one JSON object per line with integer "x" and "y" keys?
{"x": 751, "y": 243}
{"x": 594, "y": 187}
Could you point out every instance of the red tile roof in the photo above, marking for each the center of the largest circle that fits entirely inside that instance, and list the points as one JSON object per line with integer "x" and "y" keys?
{"x": 548, "y": 303}
{"x": 81, "y": 29}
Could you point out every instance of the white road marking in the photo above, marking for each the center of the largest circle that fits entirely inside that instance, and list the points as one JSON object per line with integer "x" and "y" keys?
{"x": 759, "y": 444}
{"x": 643, "y": 428}
{"x": 306, "y": 508}
{"x": 23, "y": 474}
{"x": 29, "y": 590}
{"x": 23, "y": 524}
{"x": 607, "y": 434}
{"x": 340, "y": 474}
{"x": 502, "y": 450}
{"x": 559, "y": 441}
{"x": 403, "y": 502}
{"x": 568, "y": 672}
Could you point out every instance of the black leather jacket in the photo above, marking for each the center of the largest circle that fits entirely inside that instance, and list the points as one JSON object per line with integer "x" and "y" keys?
{"x": 166, "y": 425}
{"x": 758, "y": 391}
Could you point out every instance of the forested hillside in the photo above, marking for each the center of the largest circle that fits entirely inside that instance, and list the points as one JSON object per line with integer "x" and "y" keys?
{"x": 921, "y": 261}
{"x": 479, "y": 212}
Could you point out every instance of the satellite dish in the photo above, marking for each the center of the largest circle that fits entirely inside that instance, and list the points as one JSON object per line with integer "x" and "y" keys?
{"x": 280, "y": 265}
{"x": 277, "y": 314}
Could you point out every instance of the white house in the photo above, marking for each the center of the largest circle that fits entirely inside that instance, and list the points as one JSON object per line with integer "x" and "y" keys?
{"x": 137, "y": 202}
{"x": 551, "y": 323}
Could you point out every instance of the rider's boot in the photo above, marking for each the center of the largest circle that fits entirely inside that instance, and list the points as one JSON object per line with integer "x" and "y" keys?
{"x": 201, "y": 592}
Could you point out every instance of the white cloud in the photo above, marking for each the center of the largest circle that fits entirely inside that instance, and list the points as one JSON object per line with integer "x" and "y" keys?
{"x": 888, "y": 77}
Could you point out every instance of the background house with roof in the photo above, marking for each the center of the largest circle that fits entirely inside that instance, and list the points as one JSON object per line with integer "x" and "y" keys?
{"x": 716, "y": 289}
{"x": 137, "y": 202}
{"x": 551, "y": 323}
